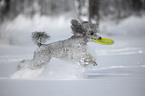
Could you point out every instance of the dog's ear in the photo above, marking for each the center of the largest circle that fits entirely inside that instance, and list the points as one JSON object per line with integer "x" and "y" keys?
{"x": 76, "y": 31}
{"x": 75, "y": 23}
{"x": 77, "y": 28}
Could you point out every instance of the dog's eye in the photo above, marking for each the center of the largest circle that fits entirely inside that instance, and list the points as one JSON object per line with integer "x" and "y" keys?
{"x": 92, "y": 33}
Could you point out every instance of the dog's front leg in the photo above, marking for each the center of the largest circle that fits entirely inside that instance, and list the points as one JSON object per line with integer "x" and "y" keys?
{"x": 87, "y": 59}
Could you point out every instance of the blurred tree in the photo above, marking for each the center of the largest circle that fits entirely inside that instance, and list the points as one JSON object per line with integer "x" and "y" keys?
{"x": 88, "y": 10}
{"x": 7, "y": 6}
{"x": 82, "y": 9}
{"x": 4, "y": 8}
{"x": 138, "y": 5}
{"x": 94, "y": 11}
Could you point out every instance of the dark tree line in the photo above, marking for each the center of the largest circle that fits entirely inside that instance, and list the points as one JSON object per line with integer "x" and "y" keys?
{"x": 92, "y": 10}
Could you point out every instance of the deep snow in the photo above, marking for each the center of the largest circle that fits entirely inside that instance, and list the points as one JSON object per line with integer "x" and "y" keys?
{"x": 120, "y": 70}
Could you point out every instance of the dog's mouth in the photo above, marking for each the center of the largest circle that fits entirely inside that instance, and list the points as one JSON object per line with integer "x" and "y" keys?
{"x": 97, "y": 38}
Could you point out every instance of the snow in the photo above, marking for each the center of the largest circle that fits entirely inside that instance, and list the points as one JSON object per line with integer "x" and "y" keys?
{"x": 120, "y": 70}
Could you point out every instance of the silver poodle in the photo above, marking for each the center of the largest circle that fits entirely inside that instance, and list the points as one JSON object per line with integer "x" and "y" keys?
{"x": 71, "y": 49}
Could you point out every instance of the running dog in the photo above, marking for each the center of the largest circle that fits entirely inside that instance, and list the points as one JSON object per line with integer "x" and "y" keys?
{"x": 72, "y": 49}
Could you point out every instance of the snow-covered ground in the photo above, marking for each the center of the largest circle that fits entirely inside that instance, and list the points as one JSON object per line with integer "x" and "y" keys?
{"x": 120, "y": 70}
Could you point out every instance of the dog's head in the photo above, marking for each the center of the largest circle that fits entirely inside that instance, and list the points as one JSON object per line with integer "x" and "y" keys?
{"x": 84, "y": 29}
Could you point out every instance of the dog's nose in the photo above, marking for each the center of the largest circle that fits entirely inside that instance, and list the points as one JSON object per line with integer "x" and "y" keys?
{"x": 100, "y": 38}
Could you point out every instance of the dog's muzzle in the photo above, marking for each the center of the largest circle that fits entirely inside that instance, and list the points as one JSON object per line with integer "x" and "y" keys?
{"x": 97, "y": 37}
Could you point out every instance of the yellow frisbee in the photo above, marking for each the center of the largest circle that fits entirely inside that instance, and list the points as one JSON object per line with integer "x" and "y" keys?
{"x": 104, "y": 41}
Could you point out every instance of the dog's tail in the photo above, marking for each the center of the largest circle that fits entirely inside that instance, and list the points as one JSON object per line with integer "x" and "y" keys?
{"x": 39, "y": 37}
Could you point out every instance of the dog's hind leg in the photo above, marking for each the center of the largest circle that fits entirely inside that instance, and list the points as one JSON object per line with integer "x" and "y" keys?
{"x": 40, "y": 59}
{"x": 87, "y": 59}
